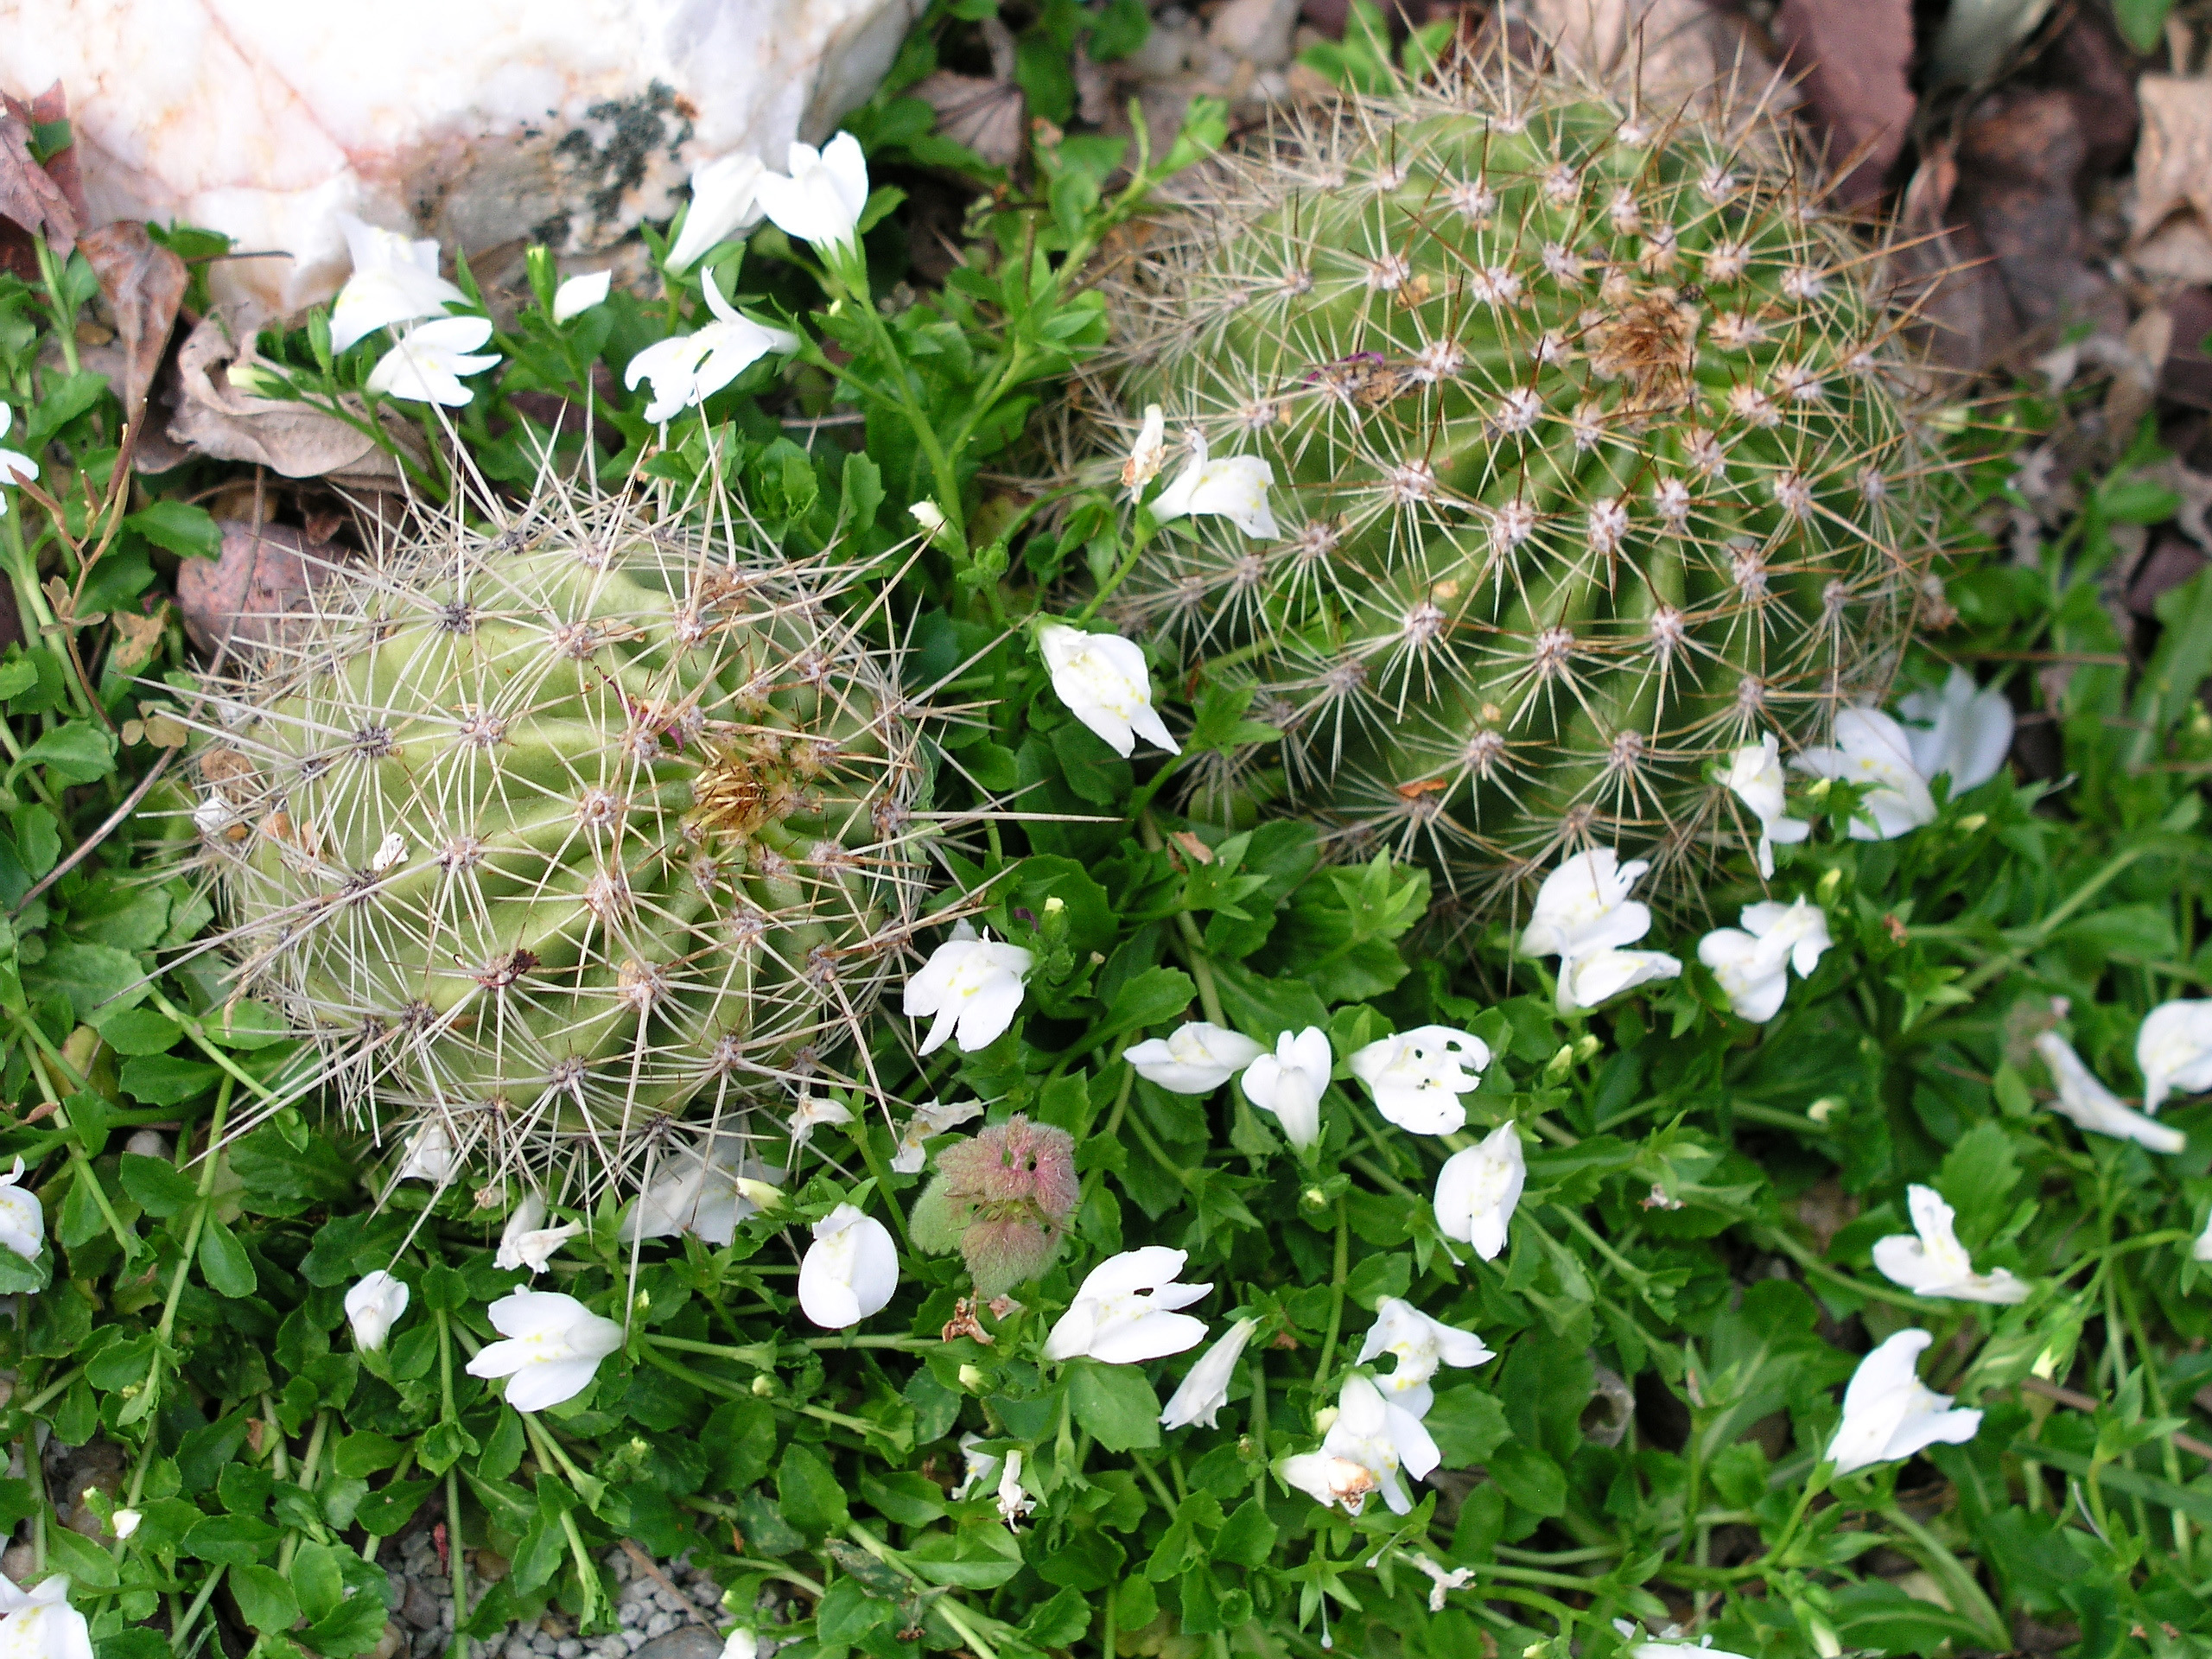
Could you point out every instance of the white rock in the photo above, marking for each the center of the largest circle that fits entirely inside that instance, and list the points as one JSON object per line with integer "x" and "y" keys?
{"x": 563, "y": 121}
{"x": 1257, "y": 30}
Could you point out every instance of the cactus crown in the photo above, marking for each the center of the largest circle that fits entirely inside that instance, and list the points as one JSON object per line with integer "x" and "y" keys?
{"x": 1591, "y": 455}
{"x": 547, "y": 835}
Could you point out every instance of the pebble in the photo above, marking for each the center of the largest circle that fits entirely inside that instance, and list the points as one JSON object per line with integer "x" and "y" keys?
{"x": 651, "y": 1619}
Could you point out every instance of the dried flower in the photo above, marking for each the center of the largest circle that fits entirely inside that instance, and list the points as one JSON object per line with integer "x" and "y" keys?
{"x": 1003, "y": 1199}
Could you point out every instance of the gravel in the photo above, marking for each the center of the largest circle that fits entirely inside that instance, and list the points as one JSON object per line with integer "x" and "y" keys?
{"x": 652, "y": 1620}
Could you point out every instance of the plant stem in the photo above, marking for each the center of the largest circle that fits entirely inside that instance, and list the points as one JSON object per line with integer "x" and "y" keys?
{"x": 1336, "y": 1295}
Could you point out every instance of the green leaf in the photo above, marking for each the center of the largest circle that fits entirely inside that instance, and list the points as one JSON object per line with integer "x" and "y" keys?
{"x": 316, "y": 1581}
{"x": 1467, "y": 1424}
{"x": 164, "y": 1079}
{"x": 88, "y": 1565}
{"x": 357, "y": 1626}
{"x": 383, "y": 1513}
{"x": 233, "y": 1540}
{"x": 272, "y": 1167}
{"x": 1531, "y": 1479}
{"x": 2143, "y": 23}
{"x": 224, "y": 1262}
{"x": 1977, "y": 1174}
{"x": 811, "y": 1495}
{"x": 265, "y": 1597}
{"x": 157, "y": 1186}
{"x": 1378, "y": 1276}
{"x": 78, "y": 753}
{"x": 1060, "y": 1622}
{"x": 365, "y": 1453}
{"x": 135, "y": 1032}
{"x": 977, "y": 1557}
{"x": 99, "y": 980}
{"x": 1247, "y": 1538}
{"x": 1114, "y": 1404}
{"x": 185, "y": 530}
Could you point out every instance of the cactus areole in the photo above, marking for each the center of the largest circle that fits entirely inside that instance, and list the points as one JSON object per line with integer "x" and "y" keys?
{"x": 549, "y": 835}
{"x": 1592, "y": 462}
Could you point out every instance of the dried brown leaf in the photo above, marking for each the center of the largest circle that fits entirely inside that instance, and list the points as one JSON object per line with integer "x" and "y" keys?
{"x": 144, "y": 284}
{"x": 2170, "y": 226}
{"x": 985, "y": 114}
{"x": 216, "y": 419}
{"x": 1854, "y": 55}
{"x": 29, "y": 198}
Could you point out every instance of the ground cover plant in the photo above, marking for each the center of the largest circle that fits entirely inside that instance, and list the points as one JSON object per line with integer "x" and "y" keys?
{"x": 694, "y": 1001}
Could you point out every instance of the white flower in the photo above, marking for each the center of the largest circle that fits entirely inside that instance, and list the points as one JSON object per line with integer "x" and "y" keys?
{"x": 1422, "y": 1346}
{"x": 553, "y": 1348}
{"x": 2095, "y": 1108}
{"x": 822, "y": 200}
{"x": 1013, "y": 1503}
{"x": 1755, "y": 773}
{"x": 39, "y": 1623}
{"x": 1417, "y": 1076}
{"x": 1583, "y": 907}
{"x": 1234, "y": 487}
{"x": 688, "y": 369}
{"x": 2201, "y": 1250}
{"x": 1194, "y": 1059}
{"x": 1477, "y": 1189}
{"x": 425, "y": 364}
{"x": 373, "y": 1306}
{"x": 2174, "y": 1051}
{"x": 14, "y": 465}
{"x": 931, "y": 518}
{"x": 982, "y": 1467}
{"x": 1146, "y": 454}
{"x": 813, "y": 1112}
{"x": 1872, "y": 752}
{"x": 395, "y": 280}
{"x": 1753, "y": 963}
{"x": 22, "y": 1218}
{"x": 700, "y": 1193}
{"x": 929, "y": 1119}
{"x": 1959, "y": 729}
{"x": 1889, "y": 1412}
{"x": 743, "y": 1642}
{"x": 1669, "y": 1643}
{"x": 1585, "y": 981}
{"x": 125, "y": 1521}
{"x": 528, "y": 1242}
{"x": 428, "y": 1156}
{"x": 1289, "y": 1083}
{"x": 724, "y": 198}
{"x": 1124, "y": 1311}
{"x": 1103, "y": 679}
{"x": 973, "y": 989}
{"x": 849, "y": 1271}
{"x": 1371, "y": 1435}
{"x": 1204, "y": 1391}
{"x": 1934, "y": 1263}
{"x": 579, "y": 294}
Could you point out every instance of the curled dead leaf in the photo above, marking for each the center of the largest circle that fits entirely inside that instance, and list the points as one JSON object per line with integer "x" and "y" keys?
{"x": 31, "y": 197}
{"x": 139, "y": 637}
{"x": 144, "y": 284}
{"x": 2171, "y": 225}
{"x": 217, "y": 419}
{"x": 1938, "y": 273}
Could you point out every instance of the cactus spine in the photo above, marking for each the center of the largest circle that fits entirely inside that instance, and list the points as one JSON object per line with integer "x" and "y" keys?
{"x": 547, "y": 836}
{"x": 1592, "y": 460}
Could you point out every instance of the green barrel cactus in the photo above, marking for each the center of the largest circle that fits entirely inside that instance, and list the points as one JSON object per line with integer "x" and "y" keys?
{"x": 547, "y": 836}
{"x": 1594, "y": 459}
